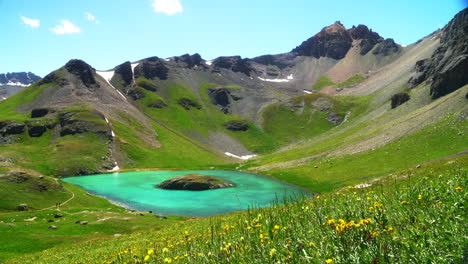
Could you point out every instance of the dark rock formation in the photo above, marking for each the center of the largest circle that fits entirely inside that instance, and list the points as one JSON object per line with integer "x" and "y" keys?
{"x": 152, "y": 68}
{"x": 39, "y": 112}
{"x": 190, "y": 60}
{"x": 22, "y": 207}
{"x": 368, "y": 38}
{"x": 448, "y": 66}
{"x": 158, "y": 104}
{"x": 36, "y": 130}
{"x": 194, "y": 182}
{"x": 125, "y": 72}
{"x": 188, "y": 103}
{"x": 82, "y": 70}
{"x": 399, "y": 99}
{"x": 386, "y": 47}
{"x": 333, "y": 41}
{"x": 237, "y": 125}
{"x": 220, "y": 97}
{"x": 13, "y": 128}
{"x": 334, "y": 118}
{"x": 75, "y": 123}
{"x": 234, "y": 63}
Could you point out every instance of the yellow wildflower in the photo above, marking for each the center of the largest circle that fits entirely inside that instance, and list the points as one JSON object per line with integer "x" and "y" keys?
{"x": 165, "y": 250}
{"x": 272, "y": 252}
{"x": 167, "y": 260}
{"x": 150, "y": 252}
{"x": 276, "y": 227}
{"x": 329, "y": 261}
{"x": 390, "y": 229}
{"x": 419, "y": 197}
{"x": 459, "y": 189}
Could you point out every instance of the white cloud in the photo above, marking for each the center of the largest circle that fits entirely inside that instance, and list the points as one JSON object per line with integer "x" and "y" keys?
{"x": 31, "y": 22}
{"x": 169, "y": 7}
{"x": 92, "y": 18}
{"x": 66, "y": 27}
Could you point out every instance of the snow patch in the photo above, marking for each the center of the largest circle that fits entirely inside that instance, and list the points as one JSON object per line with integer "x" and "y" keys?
{"x": 133, "y": 65}
{"x": 107, "y": 120}
{"x": 290, "y": 77}
{"x": 307, "y": 92}
{"x": 275, "y": 80}
{"x": 116, "y": 168}
{"x": 15, "y": 84}
{"x": 107, "y": 75}
{"x": 209, "y": 62}
{"x": 2, "y": 98}
{"x": 112, "y": 133}
{"x": 167, "y": 59}
{"x": 245, "y": 157}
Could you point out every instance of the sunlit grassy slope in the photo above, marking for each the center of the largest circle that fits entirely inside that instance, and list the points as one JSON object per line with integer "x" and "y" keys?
{"x": 410, "y": 216}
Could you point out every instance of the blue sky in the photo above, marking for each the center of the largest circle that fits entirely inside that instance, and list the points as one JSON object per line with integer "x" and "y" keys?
{"x": 41, "y": 36}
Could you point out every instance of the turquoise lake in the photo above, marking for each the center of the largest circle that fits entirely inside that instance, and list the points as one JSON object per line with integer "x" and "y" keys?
{"x": 137, "y": 190}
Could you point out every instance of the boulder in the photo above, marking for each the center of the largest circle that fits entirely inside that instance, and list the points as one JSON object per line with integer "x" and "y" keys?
{"x": 58, "y": 215}
{"x": 22, "y": 207}
{"x": 157, "y": 104}
{"x": 236, "y": 125}
{"x": 399, "y": 99}
{"x": 83, "y": 222}
{"x": 194, "y": 182}
{"x": 52, "y": 227}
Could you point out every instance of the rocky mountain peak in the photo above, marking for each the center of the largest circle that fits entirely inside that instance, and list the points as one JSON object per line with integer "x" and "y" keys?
{"x": 447, "y": 67}
{"x": 190, "y": 60}
{"x": 125, "y": 71}
{"x": 333, "y": 41}
{"x": 82, "y": 70}
{"x": 18, "y": 78}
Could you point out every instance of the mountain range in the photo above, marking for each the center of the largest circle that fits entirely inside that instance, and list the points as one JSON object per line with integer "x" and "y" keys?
{"x": 164, "y": 112}
{"x": 13, "y": 82}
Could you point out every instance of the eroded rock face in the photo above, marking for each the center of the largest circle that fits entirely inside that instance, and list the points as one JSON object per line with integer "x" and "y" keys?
{"x": 234, "y": 63}
{"x": 82, "y": 70}
{"x": 448, "y": 66}
{"x": 39, "y": 112}
{"x": 71, "y": 123}
{"x": 220, "y": 97}
{"x": 333, "y": 41}
{"x": 399, "y": 99}
{"x": 190, "y": 60}
{"x": 152, "y": 68}
{"x": 158, "y": 104}
{"x": 386, "y": 47}
{"x": 368, "y": 38}
{"x": 194, "y": 182}
{"x": 125, "y": 71}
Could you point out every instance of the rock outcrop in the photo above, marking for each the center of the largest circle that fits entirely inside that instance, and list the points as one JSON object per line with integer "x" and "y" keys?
{"x": 237, "y": 125}
{"x": 189, "y": 60}
{"x": 152, "y": 68}
{"x": 386, "y": 47}
{"x": 187, "y": 103}
{"x": 83, "y": 71}
{"x": 448, "y": 66}
{"x": 125, "y": 72}
{"x": 399, "y": 99}
{"x": 234, "y": 63}
{"x": 194, "y": 182}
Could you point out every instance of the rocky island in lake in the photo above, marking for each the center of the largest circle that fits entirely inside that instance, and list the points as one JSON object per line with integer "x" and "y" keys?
{"x": 194, "y": 182}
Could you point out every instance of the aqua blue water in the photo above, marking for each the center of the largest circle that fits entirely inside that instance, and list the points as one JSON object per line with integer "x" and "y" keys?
{"x": 137, "y": 190}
